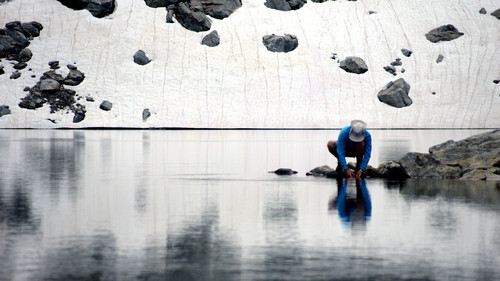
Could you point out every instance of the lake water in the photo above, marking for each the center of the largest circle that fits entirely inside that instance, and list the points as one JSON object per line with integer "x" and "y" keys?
{"x": 201, "y": 205}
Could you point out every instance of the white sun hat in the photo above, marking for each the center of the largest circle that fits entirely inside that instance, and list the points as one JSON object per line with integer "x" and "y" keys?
{"x": 357, "y": 132}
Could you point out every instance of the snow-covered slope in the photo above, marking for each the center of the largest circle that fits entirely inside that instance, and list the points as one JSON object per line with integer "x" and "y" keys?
{"x": 240, "y": 84}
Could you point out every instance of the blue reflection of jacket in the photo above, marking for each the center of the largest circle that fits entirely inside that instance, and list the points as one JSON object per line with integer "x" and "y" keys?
{"x": 344, "y": 143}
{"x": 345, "y": 210}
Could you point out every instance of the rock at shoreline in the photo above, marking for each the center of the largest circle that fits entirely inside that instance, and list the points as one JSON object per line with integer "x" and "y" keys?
{"x": 443, "y": 33}
{"x": 354, "y": 65}
{"x": 278, "y": 43}
{"x": 284, "y": 171}
{"x": 396, "y": 94}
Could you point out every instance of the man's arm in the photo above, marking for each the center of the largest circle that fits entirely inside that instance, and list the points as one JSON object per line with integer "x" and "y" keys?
{"x": 368, "y": 152}
{"x": 341, "y": 142}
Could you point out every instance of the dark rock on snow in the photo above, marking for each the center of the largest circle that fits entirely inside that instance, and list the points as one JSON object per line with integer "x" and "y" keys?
{"x": 140, "y": 58}
{"x": 395, "y": 94}
{"x": 482, "y": 11}
{"x": 406, "y": 52}
{"x": 284, "y": 171}
{"x": 191, "y": 19}
{"x": 16, "y": 74}
{"x": 439, "y": 58}
{"x": 397, "y": 62}
{"x": 79, "y": 113}
{"x": 145, "y": 114}
{"x": 354, "y": 65}
{"x": 443, "y": 33}
{"x": 496, "y": 14}
{"x": 4, "y": 110}
{"x": 212, "y": 39}
{"x": 106, "y": 105}
{"x": 278, "y": 43}
{"x": 98, "y": 8}
{"x": 219, "y": 9}
{"x": 2, "y": 71}
{"x": 496, "y": 81}
{"x": 74, "y": 77}
{"x": 391, "y": 69}
{"x": 285, "y": 5}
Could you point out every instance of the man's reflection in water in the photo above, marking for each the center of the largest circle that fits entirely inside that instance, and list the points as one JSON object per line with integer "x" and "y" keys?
{"x": 354, "y": 209}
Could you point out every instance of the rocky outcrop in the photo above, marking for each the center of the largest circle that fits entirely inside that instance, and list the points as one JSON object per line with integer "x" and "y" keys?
{"x": 14, "y": 40}
{"x": 98, "y": 8}
{"x": 50, "y": 89}
{"x": 354, "y": 65}
{"x": 140, "y": 58}
{"x": 443, "y": 33}
{"x": 395, "y": 94}
{"x": 279, "y": 43}
{"x": 285, "y": 5}
{"x": 212, "y": 39}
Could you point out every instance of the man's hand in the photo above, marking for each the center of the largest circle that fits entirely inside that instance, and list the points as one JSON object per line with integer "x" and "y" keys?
{"x": 359, "y": 174}
{"x": 349, "y": 173}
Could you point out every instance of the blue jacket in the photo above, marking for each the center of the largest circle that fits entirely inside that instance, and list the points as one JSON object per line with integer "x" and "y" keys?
{"x": 344, "y": 143}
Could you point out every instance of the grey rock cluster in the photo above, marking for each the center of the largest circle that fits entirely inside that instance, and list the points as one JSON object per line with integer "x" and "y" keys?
{"x": 286, "y": 5}
{"x": 14, "y": 40}
{"x": 193, "y": 14}
{"x": 443, "y": 33}
{"x": 395, "y": 94}
{"x": 50, "y": 89}
{"x": 354, "y": 65}
{"x": 280, "y": 43}
{"x": 98, "y": 8}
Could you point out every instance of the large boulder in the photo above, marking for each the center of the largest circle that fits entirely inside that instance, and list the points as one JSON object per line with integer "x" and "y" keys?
{"x": 280, "y": 43}
{"x": 354, "y": 65}
{"x": 192, "y": 20}
{"x": 443, "y": 33}
{"x": 422, "y": 165}
{"x": 496, "y": 14}
{"x": 219, "y": 9}
{"x": 395, "y": 94}
{"x": 101, "y": 8}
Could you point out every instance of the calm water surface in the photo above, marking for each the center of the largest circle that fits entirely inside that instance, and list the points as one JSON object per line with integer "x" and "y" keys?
{"x": 201, "y": 205}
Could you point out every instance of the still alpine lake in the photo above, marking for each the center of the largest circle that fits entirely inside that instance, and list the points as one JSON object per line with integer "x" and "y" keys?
{"x": 201, "y": 205}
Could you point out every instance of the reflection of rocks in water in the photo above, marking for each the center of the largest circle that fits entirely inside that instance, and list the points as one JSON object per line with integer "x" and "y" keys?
{"x": 201, "y": 252}
{"x": 442, "y": 219}
{"x": 16, "y": 208}
{"x": 479, "y": 192}
{"x": 86, "y": 258}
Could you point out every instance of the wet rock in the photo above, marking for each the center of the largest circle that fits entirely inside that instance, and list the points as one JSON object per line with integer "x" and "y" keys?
{"x": 395, "y": 94}
{"x": 4, "y": 110}
{"x": 284, "y": 171}
{"x": 443, "y": 33}
{"x": 192, "y": 20}
{"x": 389, "y": 170}
{"x": 140, "y": 58}
{"x": 406, "y": 52}
{"x": 482, "y": 11}
{"x": 145, "y": 114}
{"x": 212, "y": 39}
{"x": 496, "y": 14}
{"x": 279, "y": 43}
{"x": 106, "y": 105}
{"x": 285, "y": 5}
{"x": 439, "y": 58}
{"x": 420, "y": 165}
{"x": 354, "y": 65}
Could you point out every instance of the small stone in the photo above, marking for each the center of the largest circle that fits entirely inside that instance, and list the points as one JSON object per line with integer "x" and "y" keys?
{"x": 54, "y": 64}
{"x": 482, "y": 11}
{"x": 16, "y": 74}
{"x": 334, "y": 56}
{"x": 106, "y": 105}
{"x": 211, "y": 40}
{"x": 397, "y": 62}
{"x": 391, "y": 69}
{"x": 89, "y": 99}
{"x": 20, "y": 65}
{"x": 71, "y": 67}
{"x": 4, "y": 110}
{"x": 26, "y": 89}
{"x": 496, "y": 81}
{"x": 145, "y": 114}
{"x": 433, "y": 93}
{"x": 371, "y": 12}
{"x": 403, "y": 70}
{"x": 354, "y": 65}
{"x": 439, "y": 59}
{"x": 140, "y": 58}
{"x": 406, "y": 52}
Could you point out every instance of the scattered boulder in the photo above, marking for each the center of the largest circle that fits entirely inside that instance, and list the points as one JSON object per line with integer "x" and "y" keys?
{"x": 395, "y": 94}
{"x": 16, "y": 74}
{"x": 79, "y": 113}
{"x": 391, "y": 69}
{"x": 2, "y": 71}
{"x": 406, "y": 52}
{"x": 496, "y": 14}
{"x": 354, "y": 65}
{"x": 4, "y": 110}
{"x": 74, "y": 77}
{"x": 284, "y": 171}
{"x": 98, "y": 8}
{"x": 145, "y": 114}
{"x": 439, "y": 58}
{"x": 482, "y": 11}
{"x": 443, "y": 33}
{"x": 278, "y": 43}
{"x": 106, "y": 105}
{"x": 496, "y": 81}
{"x": 285, "y": 5}
{"x": 140, "y": 58}
{"x": 190, "y": 19}
{"x": 320, "y": 171}
{"x": 212, "y": 39}
{"x": 219, "y": 9}
{"x": 389, "y": 170}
